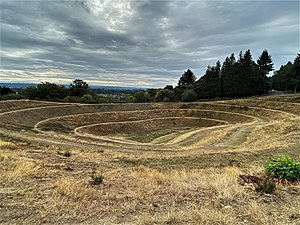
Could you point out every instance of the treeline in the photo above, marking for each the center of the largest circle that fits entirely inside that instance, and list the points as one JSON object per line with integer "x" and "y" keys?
{"x": 287, "y": 78}
{"x": 235, "y": 77}
{"x": 51, "y": 91}
{"x": 77, "y": 92}
{"x": 5, "y": 91}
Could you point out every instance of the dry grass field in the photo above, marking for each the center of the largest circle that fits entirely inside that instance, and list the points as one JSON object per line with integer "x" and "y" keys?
{"x": 151, "y": 163}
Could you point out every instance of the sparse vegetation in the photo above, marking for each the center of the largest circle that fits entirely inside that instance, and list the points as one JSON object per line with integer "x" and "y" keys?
{"x": 66, "y": 153}
{"x": 14, "y": 167}
{"x": 266, "y": 187}
{"x": 149, "y": 136}
{"x": 96, "y": 179}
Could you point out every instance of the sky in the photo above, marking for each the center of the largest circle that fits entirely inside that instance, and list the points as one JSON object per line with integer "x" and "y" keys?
{"x": 141, "y": 43}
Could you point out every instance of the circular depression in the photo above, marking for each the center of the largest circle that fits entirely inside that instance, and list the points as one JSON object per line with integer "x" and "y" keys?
{"x": 147, "y": 125}
{"x": 66, "y": 124}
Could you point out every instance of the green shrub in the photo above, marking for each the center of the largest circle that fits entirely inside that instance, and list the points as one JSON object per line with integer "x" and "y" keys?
{"x": 283, "y": 168}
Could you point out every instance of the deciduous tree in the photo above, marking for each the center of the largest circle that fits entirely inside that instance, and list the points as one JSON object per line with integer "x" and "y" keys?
{"x": 78, "y": 88}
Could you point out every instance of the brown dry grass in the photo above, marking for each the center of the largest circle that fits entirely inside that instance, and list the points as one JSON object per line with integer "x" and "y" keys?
{"x": 197, "y": 186}
{"x": 140, "y": 194}
{"x": 7, "y": 145}
{"x": 192, "y": 215}
{"x": 73, "y": 189}
{"x": 13, "y": 167}
{"x": 221, "y": 183}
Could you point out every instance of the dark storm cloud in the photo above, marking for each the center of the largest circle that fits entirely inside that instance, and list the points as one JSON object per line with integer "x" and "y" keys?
{"x": 138, "y": 43}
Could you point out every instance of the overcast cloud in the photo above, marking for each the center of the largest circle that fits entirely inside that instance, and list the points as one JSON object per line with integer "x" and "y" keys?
{"x": 142, "y": 43}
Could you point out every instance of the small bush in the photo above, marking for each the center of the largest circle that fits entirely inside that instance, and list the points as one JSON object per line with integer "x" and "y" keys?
{"x": 283, "y": 168}
{"x": 96, "y": 179}
{"x": 65, "y": 153}
{"x": 267, "y": 187}
{"x": 246, "y": 108}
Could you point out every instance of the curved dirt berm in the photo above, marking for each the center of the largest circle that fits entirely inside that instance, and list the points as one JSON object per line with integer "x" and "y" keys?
{"x": 232, "y": 125}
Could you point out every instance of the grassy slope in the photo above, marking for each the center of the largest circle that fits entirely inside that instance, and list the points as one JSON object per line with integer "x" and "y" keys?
{"x": 157, "y": 190}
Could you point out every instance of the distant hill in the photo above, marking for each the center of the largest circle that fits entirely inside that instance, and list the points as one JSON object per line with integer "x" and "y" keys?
{"x": 25, "y": 85}
{"x": 17, "y": 85}
{"x": 116, "y": 87}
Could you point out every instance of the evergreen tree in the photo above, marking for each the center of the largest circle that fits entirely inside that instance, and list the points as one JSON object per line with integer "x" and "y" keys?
{"x": 287, "y": 78}
{"x": 265, "y": 62}
{"x": 187, "y": 78}
{"x": 208, "y": 86}
{"x": 296, "y": 73}
{"x": 282, "y": 78}
{"x": 218, "y": 68}
{"x": 247, "y": 59}
{"x": 232, "y": 59}
{"x": 244, "y": 77}
{"x": 241, "y": 57}
{"x": 226, "y": 69}
{"x": 229, "y": 74}
{"x": 255, "y": 79}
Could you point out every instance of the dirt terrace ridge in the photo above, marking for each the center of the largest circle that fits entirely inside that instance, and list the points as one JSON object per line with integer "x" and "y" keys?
{"x": 215, "y": 127}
